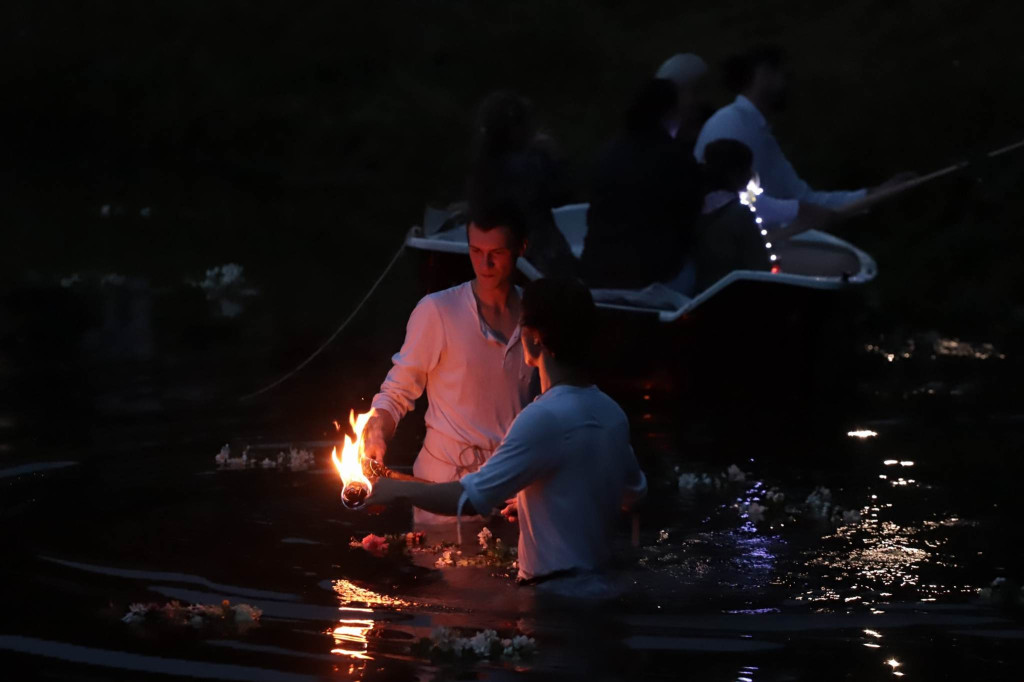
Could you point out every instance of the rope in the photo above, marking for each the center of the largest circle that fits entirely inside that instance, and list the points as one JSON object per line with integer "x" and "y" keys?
{"x": 332, "y": 337}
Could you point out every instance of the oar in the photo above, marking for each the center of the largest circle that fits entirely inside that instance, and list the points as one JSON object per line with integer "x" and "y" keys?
{"x": 867, "y": 202}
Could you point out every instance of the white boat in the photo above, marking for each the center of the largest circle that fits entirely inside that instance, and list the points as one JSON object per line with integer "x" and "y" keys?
{"x": 657, "y": 299}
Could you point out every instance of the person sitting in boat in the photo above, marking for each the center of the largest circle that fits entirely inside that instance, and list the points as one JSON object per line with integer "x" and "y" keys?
{"x": 688, "y": 72}
{"x": 461, "y": 347}
{"x": 516, "y": 164}
{"x": 743, "y": 229}
{"x": 566, "y": 458}
{"x": 645, "y": 197}
{"x": 759, "y": 79}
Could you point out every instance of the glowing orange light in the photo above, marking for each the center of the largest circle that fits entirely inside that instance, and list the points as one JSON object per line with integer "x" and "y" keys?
{"x": 350, "y": 465}
{"x": 351, "y": 638}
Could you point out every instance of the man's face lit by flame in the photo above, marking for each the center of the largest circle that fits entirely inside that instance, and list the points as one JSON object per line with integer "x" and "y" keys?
{"x": 493, "y": 253}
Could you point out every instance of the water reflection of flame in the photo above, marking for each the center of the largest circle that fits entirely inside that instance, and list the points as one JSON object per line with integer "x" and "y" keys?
{"x": 351, "y": 638}
{"x": 350, "y": 593}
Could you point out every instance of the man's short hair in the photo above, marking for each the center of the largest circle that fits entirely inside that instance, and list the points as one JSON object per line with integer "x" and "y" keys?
{"x": 740, "y": 68}
{"x": 490, "y": 215}
{"x": 562, "y": 311}
{"x": 725, "y": 159}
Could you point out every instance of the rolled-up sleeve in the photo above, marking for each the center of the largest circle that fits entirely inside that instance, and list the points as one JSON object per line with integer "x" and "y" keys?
{"x": 521, "y": 459}
{"x": 420, "y": 353}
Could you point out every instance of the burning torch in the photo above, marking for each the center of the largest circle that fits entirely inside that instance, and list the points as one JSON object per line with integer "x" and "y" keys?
{"x": 356, "y": 469}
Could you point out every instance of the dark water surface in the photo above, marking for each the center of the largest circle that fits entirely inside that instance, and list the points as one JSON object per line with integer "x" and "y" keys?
{"x": 861, "y": 541}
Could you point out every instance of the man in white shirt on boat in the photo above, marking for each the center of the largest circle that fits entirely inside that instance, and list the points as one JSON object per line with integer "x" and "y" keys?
{"x": 759, "y": 79}
{"x": 462, "y": 347}
{"x": 567, "y": 458}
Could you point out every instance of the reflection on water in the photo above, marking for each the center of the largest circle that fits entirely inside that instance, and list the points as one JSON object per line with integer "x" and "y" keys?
{"x": 939, "y": 347}
{"x": 870, "y": 560}
{"x": 349, "y": 593}
{"x": 351, "y": 638}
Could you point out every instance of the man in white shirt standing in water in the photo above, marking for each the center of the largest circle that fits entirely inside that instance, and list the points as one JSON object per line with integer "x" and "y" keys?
{"x": 566, "y": 459}
{"x": 462, "y": 347}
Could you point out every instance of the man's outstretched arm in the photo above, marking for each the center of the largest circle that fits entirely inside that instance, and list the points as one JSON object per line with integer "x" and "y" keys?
{"x": 437, "y": 498}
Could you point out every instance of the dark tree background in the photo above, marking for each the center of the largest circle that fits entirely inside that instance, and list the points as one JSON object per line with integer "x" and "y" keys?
{"x": 302, "y": 139}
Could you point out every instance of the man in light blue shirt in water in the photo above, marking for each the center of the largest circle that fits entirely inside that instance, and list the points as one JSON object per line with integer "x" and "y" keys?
{"x": 566, "y": 459}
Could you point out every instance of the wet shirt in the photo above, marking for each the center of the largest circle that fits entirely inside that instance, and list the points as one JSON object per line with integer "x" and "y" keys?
{"x": 742, "y": 121}
{"x": 568, "y": 462}
{"x": 476, "y": 382}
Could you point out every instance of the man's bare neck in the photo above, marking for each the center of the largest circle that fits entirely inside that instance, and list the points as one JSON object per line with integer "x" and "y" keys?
{"x": 554, "y": 374}
{"x": 499, "y": 298}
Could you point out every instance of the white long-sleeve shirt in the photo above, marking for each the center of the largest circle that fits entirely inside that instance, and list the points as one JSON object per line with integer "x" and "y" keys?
{"x": 476, "y": 384}
{"x": 742, "y": 121}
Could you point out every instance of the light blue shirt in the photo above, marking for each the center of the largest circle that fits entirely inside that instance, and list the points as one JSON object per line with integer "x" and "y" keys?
{"x": 742, "y": 121}
{"x": 568, "y": 462}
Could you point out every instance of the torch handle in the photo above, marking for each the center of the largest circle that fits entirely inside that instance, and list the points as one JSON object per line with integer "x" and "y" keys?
{"x": 375, "y": 469}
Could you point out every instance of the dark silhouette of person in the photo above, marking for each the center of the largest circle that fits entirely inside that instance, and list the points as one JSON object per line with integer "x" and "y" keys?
{"x": 645, "y": 197}
{"x": 516, "y": 165}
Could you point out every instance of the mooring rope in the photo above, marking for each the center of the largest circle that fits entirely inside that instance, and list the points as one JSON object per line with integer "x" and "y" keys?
{"x": 332, "y": 337}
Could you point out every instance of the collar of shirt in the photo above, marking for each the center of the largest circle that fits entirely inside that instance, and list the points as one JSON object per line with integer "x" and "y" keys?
{"x": 717, "y": 199}
{"x": 748, "y": 108}
{"x": 488, "y": 332}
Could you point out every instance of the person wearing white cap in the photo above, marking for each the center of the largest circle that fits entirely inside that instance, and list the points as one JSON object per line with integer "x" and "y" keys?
{"x": 687, "y": 72}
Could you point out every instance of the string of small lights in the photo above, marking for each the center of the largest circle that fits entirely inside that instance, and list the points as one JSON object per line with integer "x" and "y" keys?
{"x": 748, "y": 198}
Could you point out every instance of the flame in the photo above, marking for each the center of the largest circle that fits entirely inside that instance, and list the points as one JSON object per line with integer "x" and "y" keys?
{"x": 350, "y": 466}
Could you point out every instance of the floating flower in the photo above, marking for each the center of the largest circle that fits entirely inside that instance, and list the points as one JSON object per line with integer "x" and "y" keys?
{"x": 688, "y": 482}
{"x": 136, "y": 613}
{"x": 754, "y": 511}
{"x": 375, "y": 545}
{"x": 481, "y": 642}
{"x": 484, "y": 537}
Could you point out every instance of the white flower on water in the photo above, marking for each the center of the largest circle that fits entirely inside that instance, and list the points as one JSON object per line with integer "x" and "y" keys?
{"x": 819, "y": 502}
{"x": 484, "y": 537}
{"x": 688, "y": 482}
{"x": 442, "y": 638}
{"x": 523, "y": 644}
{"x": 735, "y": 474}
{"x": 482, "y": 641}
{"x": 754, "y": 511}
{"x": 136, "y": 614}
